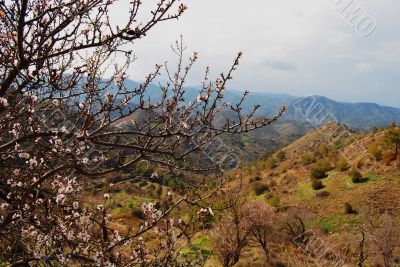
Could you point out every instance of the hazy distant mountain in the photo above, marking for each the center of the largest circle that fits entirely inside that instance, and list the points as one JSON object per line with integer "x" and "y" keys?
{"x": 319, "y": 110}
{"x": 312, "y": 110}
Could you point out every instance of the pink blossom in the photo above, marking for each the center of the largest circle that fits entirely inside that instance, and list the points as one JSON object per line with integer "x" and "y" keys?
{"x": 24, "y": 155}
{"x": 118, "y": 78}
{"x": 3, "y": 102}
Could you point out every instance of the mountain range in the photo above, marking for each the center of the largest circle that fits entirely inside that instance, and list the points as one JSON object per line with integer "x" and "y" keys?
{"x": 311, "y": 111}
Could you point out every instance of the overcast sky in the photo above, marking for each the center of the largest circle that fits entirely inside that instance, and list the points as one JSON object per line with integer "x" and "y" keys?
{"x": 290, "y": 46}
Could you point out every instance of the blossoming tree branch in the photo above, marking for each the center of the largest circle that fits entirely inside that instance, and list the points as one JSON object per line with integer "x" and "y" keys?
{"x": 64, "y": 119}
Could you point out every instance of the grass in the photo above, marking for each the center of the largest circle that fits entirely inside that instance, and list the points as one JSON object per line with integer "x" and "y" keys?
{"x": 200, "y": 244}
{"x": 333, "y": 223}
{"x": 245, "y": 138}
{"x": 260, "y": 197}
{"x": 368, "y": 178}
{"x": 372, "y": 177}
{"x": 125, "y": 208}
{"x": 126, "y": 203}
{"x": 305, "y": 191}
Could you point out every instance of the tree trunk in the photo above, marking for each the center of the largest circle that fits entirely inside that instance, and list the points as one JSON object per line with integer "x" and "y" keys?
{"x": 266, "y": 253}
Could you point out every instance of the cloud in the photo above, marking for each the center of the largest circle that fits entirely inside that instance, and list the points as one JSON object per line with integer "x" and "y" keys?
{"x": 339, "y": 38}
{"x": 290, "y": 46}
{"x": 364, "y": 67}
{"x": 280, "y": 65}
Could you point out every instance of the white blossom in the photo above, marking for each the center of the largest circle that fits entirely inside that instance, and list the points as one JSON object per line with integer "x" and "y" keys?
{"x": 55, "y": 102}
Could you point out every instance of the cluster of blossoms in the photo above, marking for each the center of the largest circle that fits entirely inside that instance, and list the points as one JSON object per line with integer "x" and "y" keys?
{"x": 151, "y": 213}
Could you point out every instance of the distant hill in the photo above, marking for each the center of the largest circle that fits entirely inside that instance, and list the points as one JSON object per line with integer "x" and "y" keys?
{"x": 311, "y": 111}
{"x": 303, "y": 115}
{"x": 319, "y": 110}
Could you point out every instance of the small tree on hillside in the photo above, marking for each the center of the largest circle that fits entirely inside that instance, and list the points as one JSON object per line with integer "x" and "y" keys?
{"x": 342, "y": 164}
{"x": 230, "y": 235}
{"x": 375, "y": 151}
{"x": 392, "y": 138}
{"x": 261, "y": 220}
{"x": 385, "y": 239}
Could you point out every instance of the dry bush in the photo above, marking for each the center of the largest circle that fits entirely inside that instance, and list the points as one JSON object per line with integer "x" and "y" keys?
{"x": 342, "y": 164}
{"x": 254, "y": 224}
{"x": 388, "y": 157}
{"x": 317, "y": 184}
{"x": 375, "y": 151}
{"x": 229, "y": 238}
{"x": 308, "y": 158}
{"x": 263, "y": 223}
{"x": 355, "y": 175}
{"x": 385, "y": 240}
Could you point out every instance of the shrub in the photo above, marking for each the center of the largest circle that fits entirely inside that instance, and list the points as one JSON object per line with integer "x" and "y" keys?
{"x": 324, "y": 164}
{"x": 317, "y": 184}
{"x": 274, "y": 200}
{"x": 323, "y": 194}
{"x": 374, "y": 150}
{"x": 308, "y": 159}
{"x": 143, "y": 183}
{"x": 208, "y": 221}
{"x": 159, "y": 190}
{"x": 355, "y": 175}
{"x": 254, "y": 179}
{"x": 116, "y": 180}
{"x": 342, "y": 164}
{"x": 281, "y": 155}
{"x": 151, "y": 188}
{"x": 348, "y": 209}
{"x": 129, "y": 190}
{"x": 323, "y": 150}
{"x": 260, "y": 189}
{"x": 138, "y": 213}
{"x": 272, "y": 163}
{"x": 318, "y": 172}
{"x": 265, "y": 155}
{"x": 388, "y": 157}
